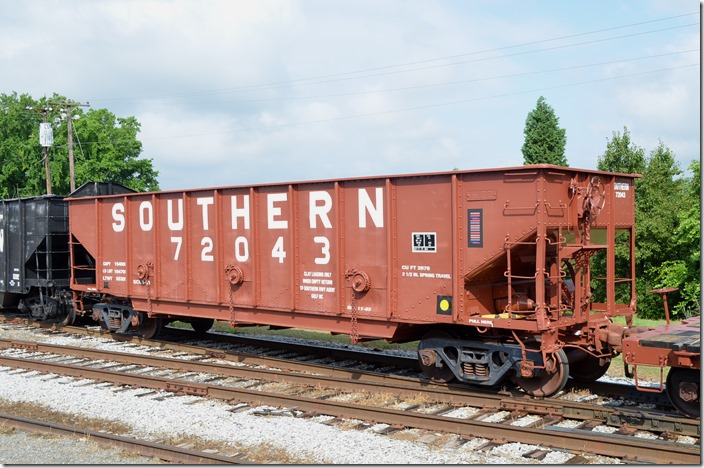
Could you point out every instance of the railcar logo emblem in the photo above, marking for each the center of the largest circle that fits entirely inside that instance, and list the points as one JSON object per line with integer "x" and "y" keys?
{"x": 424, "y": 242}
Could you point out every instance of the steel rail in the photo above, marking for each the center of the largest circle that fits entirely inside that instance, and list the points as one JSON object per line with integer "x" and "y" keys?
{"x": 141, "y": 447}
{"x": 450, "y": 393}
{"x": 601, "y": 388}
{"x": 353, "y": 380}
{"x": 601, "y": 444}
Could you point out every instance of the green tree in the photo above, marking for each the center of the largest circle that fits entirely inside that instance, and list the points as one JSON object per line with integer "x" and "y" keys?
{"x": 661, "y": 197}
{"x": 622, "y": 155}
{"x": 21, "y": 163}
{"x": 684, "y": 268}
{"x": 110, "y": 152}
{"x": 106, "y": 148}
{"x": 544, "y": 139}
{"x": 668, "y": 213}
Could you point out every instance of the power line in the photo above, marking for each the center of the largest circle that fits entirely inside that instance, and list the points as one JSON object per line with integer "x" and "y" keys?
{"x": 442, "y": 104}
{"x": 69, "y": 105}
{"x": 479, "y": 59}
{"x": 297, "y": 82}
{"x": 473, "y": 80}
{"x": 419, "y": 107}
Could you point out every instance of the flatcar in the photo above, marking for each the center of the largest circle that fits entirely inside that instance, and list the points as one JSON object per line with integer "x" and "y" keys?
{"x": 491, "y": 270}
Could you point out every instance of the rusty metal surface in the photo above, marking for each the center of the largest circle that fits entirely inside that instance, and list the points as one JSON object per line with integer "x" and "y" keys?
{"x": 369, "y": 254}
{"x": 666, "y": 345}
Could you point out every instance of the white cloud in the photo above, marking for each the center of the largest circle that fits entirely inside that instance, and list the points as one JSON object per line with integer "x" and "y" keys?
{"x": 664, "y": 106}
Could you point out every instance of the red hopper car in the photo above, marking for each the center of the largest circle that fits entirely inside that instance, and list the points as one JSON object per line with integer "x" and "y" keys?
{"x": 490, "y": 269}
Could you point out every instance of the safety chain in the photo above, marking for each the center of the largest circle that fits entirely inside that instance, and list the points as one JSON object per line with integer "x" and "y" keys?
{"x": 582, "y": 259}
{"x": 354, "y": 334}
{"x": 587, "y": 228}
{"x": 147, "y": 275}
{"x": 232, "y": 304}
{"x": 233, "y": 277}
{"x": 360, "y": 284}
{"x": 150, "y": 312}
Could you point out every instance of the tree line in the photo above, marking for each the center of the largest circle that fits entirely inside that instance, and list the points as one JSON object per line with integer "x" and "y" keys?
{"x": 668, "y": 212}
{"x": 106, "y": 148}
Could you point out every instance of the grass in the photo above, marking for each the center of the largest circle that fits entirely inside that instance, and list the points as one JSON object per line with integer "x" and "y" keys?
{"x": 645, "y": 373}
{"x": 376, "y": 399}
{"x": 639, "y": 322}
{"x": 265, "y": 452}
{"x": 44, "y": 413}
{"x": 260, "y": 453}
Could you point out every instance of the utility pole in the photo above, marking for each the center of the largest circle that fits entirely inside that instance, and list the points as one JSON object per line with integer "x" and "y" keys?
{"x": 69, "y": 106}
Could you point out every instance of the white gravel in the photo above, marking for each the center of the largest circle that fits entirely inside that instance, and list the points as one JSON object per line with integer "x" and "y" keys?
{"x": 155, "y": 418}
{"x": 160, "y": 415}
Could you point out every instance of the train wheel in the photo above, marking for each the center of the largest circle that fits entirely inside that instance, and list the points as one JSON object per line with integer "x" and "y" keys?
{"x": 548, "y": 381}
{"x": 202, "y": 325}
{"x": 427, "y": 358}
{"x": 150, "y": 327}
{"x": 588, "y": 369}
{"x": 70, "y": 317}
{"x": 683, "y": 390}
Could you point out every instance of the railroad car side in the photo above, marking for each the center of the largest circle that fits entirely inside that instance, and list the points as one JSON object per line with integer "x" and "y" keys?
{"x": 491, "y": 267}
{"x": 243, "y": 254}
{"x": 34, "y": 256}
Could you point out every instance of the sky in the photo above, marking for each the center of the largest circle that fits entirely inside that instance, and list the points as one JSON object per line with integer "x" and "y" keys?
{"x": 239, "y": 92}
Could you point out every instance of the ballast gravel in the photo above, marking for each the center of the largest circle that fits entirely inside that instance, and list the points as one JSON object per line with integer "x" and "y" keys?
{"x": 163, "y": 415}
{"x": 158, "y": 415}
{"x": 23, "y": 448}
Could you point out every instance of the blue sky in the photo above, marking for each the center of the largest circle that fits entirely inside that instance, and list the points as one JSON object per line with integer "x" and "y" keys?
{"x": 241, "y": 92}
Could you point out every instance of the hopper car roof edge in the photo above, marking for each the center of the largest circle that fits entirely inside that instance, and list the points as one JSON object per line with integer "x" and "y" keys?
{"x": 371, "y": 177}
{"x": 35, "y": 197}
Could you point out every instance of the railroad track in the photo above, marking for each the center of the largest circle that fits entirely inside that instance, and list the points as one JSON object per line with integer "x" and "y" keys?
{"x": 176, "y": 338}
{"x": 142, "y": 447}
{"x": 579, "y": 439}
{"x": 373, "y": 382}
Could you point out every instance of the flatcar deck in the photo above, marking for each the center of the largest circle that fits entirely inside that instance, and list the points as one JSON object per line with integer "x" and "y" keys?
{"x": 666, "y": 345}
{"x": 674, "y": 346}
{"x": 682, "y": 337}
